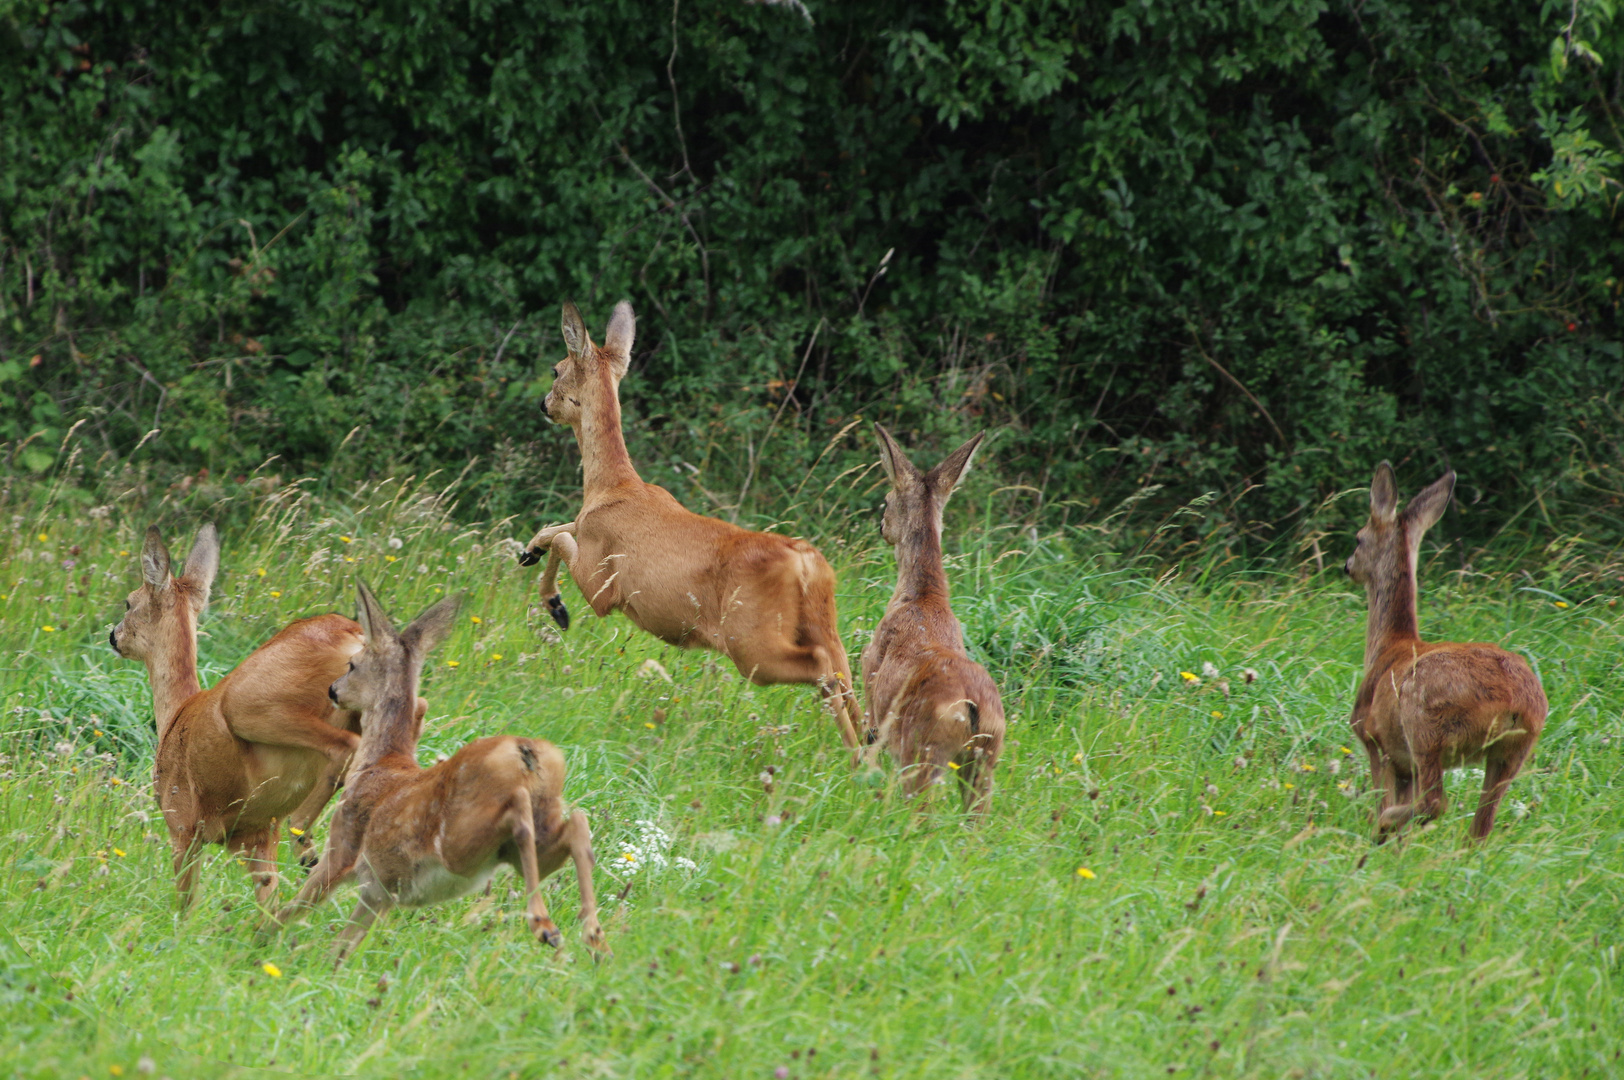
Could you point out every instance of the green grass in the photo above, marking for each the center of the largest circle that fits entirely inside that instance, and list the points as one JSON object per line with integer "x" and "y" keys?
{"x": 1238, "y": 921}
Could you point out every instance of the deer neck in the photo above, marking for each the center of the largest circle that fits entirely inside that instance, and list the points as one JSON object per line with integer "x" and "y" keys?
{"x": 172, "y": 673}
{"x": 920, "y": 576}
{"x": 389, "y": 730}
{"x": 605, "y": 461}
{"x": 1391, "y": 599}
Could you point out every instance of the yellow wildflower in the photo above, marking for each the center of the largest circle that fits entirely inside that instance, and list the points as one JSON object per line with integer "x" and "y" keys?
{"x": 259, "y": 571}
{"x": 98, "y": 732}
{"x": 44, "y": 538}
{"x": 1288, "y": 787}
{"x": 123, "y": 552}
{"x": 348, "y": 559}
{"x": 495, "y": 657}
{"x": 295, "y": 830}
{"x": 275, "y": 593}
{"x": 116, "y": 1070}
{"x": 49, "y": 629}
{"x": 955, "y": 767}
{"x": 388, "y": 558}
{"x": 347, "y": 539}
{"x": 271, "y": 969}
{"x": 116, "y": 781}
{"x": 1219, "y": 813}
{"x": 475, "y": 619}
{"x": 1307, "y": 767}
{"x": 1085, "y": 873}
{"x": 649, "y": 724}
{"x": 1216, "y": 715}
{"x": 1561, "y": 603}
{"x": 452, "y": 663}
{"x": 1190, "y": 677}
{"x": 119, "y": 852}
{"x": 1344, "y": 749}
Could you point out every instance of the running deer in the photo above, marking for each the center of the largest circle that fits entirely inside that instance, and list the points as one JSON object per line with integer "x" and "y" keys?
{"x": 1429, "y": 706}
{"x": 262, "y": 744}
{"x": 412, "y": 836}
{"x": 764, "y": 601}
{"x": 931, "y": 706}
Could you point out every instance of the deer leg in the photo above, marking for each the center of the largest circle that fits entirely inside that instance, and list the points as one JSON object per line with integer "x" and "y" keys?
{"x": 975, "y": 779}
{"x": 562, "y": 550}
{"x": 531, "y": 555}
{"x": 1497, "y": 776}
{"x": 187, "y": 846}
{"x": 304, "y": 731}
{"x": 578, "y": 834}
{"x": 303, "y": 819}
{"x": 521, "y": 819}
{"x": 334, "y": 870}
{"x": 259, "y": 851}
{"x": 367, "y": 910}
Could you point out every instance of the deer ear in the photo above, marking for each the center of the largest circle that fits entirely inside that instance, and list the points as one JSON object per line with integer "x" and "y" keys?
{"x": 375, "y": 624}
{"x": 1383, "y": 493}
{"x": 951, "y": 472}
{"x": 204, "y": 561}
{"x": 431, "y": 627}
{"x": 155, "y": 560}
{"x": 1429, "y": 504}
{"x": 576, "y": 338}
{"x": 898, "y": 469}
{"x": 618, "y": 339}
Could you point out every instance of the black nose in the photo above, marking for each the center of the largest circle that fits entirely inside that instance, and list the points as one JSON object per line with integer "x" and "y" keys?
{"x": 112, "y": 639}
{"x": 332, "y": 695}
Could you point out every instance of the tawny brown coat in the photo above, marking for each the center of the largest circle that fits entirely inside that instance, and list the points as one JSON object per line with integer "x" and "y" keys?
{"x": 1424, "y": 707}
{"x": 936, "y": 710}
{"x": 411, "y": 836}
{"x": 765, "y": 601}
{"x": 262, "y": 744}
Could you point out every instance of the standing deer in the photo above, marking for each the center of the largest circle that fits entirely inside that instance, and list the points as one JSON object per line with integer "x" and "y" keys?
{"x": 764, "y": 601}
{"x": 413, "y": 836}
{"x": 1429, "y": 706}
{"x": 262, "y": 744}
{"x": 933, "y": 707}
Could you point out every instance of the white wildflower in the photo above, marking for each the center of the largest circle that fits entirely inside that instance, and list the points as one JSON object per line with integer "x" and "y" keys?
{"x": 1209, "y": 670}
{"x": 396, "y": 542}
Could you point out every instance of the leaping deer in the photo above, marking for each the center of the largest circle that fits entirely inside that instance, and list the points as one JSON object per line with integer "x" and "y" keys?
{"x": 262, "y": 744}
{"x": 412, "y": 836}
{"x": 764, "y": 601}
{"x": 933, "y": 707}
{"x": 1429, "y": 706}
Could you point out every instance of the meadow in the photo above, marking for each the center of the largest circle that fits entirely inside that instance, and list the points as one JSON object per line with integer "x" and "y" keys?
{"x": 1176, "y": 877}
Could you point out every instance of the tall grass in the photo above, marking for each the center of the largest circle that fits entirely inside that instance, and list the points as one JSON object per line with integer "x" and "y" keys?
{"x": 1176, "y": 876}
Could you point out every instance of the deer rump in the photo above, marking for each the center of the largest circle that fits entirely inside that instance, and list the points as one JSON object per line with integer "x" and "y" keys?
{"x": 430, "y": 840}
{"x": 948, "y": 711}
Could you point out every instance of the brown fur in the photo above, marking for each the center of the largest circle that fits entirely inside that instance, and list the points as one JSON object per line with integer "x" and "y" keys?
{"x": 929, "y": 704}
{"x": 412, "y": 836}
{"x": 1426, "y": 707}
{"x": 262, "y": 744}
{"x": 767, "y": 602}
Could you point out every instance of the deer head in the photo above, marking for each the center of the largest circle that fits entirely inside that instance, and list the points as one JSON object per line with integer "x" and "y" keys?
{"x": 386, "y": 671}
{"x": 165, "y": 609}
{"x": 1389, "y": 542}
{"x": 589, "y": 370}
{"x": 916, "y": 500}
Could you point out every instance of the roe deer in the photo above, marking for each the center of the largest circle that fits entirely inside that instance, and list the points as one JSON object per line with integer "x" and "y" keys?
{"x": 262, "y": 744}
{"x": 933, "y": 707}
{"x": 1424, "y": 707}
{"x": 412, "y": 836}
{"x": 764, "y": 601}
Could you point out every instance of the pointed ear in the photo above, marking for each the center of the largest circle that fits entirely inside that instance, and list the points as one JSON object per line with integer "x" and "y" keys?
{"x": 618, "y": 339}
{"x": 896, "y": 464}
{"x": 1429, "y": 504}
{"x": 431, "y": 627}
{"x": 947, "y": 476}
{"x": 204, "y": 561}
{"x": 576, "y": 338}
{"x": 155, "y": 560}
{"x": 1383, "y": 493}
{"x": 375, "y": 624}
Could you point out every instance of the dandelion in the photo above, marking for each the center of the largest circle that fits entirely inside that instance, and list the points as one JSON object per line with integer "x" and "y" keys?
{"x": 1216, "y": 715}
{"x": 1209, "y": 670}
{"x": 1344, "y": 749}
{"x": 475, "y": 619}
{"x": 44, "y": 538}
{"x": 1190, "y": 677}
{"x": 1560, "y": 603}
{"x": 295, "y": 830}
{"x": 955, "y": 767}
{"x": 122, "y": 552}
{"x": 116, "y": 781}
{"x": 1085, "y": 873}
{"x": 146, "y": 1065}
{"x": 116, "y": 1070}
{"x": 396, "y": 542}
{"x": 259, "y": 571}
{"x": 275, "y": 593}
{"x": 495, "y": 657}
{"x": 1219, "y": 813}
{"x": 649, "y": 724}
{"x": 388, "y": 558}
{"x": 1288, "y": 786}
{"x": 1077, "y": 758}
{"x": 348, "y": 559}
{"x": 347, "y": 539}
{"x": 452, "y": 663}
{"x": 49, "y": 629}
{"x": 98, "y": 732}
{"x": 271, "y": 969}
{"x": 119, "y": 852}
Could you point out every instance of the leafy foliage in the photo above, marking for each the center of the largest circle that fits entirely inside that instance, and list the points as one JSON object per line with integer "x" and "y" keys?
{"x": 1173, "y": 249}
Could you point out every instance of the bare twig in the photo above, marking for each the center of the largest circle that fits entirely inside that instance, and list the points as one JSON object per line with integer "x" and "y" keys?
{"x": 789, "y": 391}
{"x": 676, "y": 104}
{"x": 1195, "y": 339}
{"x": 672, "y": 204}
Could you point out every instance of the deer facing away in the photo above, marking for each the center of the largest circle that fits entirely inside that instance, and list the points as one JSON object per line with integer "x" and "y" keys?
{"x": 262, "y": 744}
{"x": 929, "y": 704}
{"x": 1424, "y": 707}
{"x": 411, "y": 836}
{"x": 763, "y": 600}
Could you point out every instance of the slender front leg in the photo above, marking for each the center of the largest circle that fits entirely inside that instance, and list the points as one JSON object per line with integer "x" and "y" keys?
{"x": 562, "y": 550}
{"x": 303, "y": 820}
{"x": 521, "y": 820}
{"x": 333, "y": 871}
{"x": 259, "y": 851}
{"x": 367, "y": 909}
{"x": 578, "y": 833}
{"x": 531, "y": 555}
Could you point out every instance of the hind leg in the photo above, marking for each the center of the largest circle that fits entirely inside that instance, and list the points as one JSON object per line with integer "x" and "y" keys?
{"x": 187, "y": 848}
{"x": 258, "y": 851}
{"x": 1398, "y": 794}
{"x": 766, "y": 666}
{"x": 1497, "y": 776}
{"x": 373, "y": 902}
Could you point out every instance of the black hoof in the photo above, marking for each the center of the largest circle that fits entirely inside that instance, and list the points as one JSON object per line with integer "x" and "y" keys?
{"x": 552, "y": 937}
{"x": 871, "y": 736}
{"x": 560, "y": 613}
{"x": 529, "y": 556}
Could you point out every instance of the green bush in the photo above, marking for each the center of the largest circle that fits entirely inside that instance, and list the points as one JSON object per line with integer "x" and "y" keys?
{"x": 1216, "y": 251}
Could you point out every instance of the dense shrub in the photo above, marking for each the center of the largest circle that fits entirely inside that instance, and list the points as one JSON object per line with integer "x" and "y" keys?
{"x": 1245, "y": 249}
